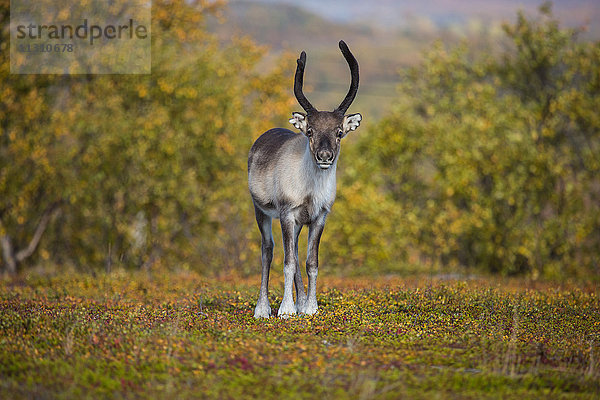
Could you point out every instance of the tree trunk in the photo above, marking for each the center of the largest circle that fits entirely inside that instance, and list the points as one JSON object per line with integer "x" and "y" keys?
{"x": 10, "y": 264}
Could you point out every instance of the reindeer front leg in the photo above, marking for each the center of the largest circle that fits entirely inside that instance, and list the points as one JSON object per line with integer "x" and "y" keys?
{"x": 263, "y": 309}
{"x": 290, "y": 262}
{"x": 315, "y": 231}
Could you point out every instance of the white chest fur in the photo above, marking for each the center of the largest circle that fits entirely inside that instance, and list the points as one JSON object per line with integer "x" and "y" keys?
{"x": 300, "y": 186}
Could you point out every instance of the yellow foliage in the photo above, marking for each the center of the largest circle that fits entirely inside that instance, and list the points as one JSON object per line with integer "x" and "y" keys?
{"x": 147, "y": 169}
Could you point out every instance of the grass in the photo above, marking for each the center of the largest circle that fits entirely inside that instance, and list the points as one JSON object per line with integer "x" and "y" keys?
{"x": 179, "y": 335}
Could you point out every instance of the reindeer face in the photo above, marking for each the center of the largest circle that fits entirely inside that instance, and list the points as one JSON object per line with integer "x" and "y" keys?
{"x": 325, "y": 130}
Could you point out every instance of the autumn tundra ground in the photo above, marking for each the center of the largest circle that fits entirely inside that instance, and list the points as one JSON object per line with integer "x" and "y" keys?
{"x": 168, "y": 335}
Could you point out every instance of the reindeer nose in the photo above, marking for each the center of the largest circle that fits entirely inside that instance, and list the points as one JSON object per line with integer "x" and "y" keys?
{"x": 325, "y": 155}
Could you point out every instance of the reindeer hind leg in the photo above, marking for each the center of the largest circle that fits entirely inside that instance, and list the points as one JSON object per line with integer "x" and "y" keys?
{"x": 298, "y": 284}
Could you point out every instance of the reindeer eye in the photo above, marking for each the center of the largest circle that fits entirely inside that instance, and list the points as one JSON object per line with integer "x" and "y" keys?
{"x": 340, "y": 132}
{"x": 309, "y": 132}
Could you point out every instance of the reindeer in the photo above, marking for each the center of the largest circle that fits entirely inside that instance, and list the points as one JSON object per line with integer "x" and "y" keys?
{"x": 292, "y": 177}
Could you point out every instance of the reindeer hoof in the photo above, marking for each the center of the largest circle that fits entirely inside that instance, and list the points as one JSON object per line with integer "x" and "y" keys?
{"x": 262, "y": 310}
{"x": 286, "y": 310}
{"x": 310, "y": 308}
{"x": 300, "y": 304}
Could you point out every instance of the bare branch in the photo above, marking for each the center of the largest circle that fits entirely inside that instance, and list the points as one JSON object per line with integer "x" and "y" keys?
{"x": 37, "y": 236}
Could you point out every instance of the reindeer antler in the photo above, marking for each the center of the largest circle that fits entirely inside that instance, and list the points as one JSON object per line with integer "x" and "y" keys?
{"x": 298, "y": 81}
{"x": 353, "y": 64}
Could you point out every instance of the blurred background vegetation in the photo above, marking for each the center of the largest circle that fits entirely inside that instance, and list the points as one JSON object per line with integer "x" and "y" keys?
{"x": 480, "y": 151}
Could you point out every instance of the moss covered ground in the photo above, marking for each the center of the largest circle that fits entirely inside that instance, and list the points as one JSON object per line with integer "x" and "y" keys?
{"x": 179, "y": 335}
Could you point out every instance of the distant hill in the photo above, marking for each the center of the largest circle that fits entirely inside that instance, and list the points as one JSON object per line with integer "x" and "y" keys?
{"x": 443, "y": 13}
{"x": 385, "y": 35}
{"x": 282, "y": 27}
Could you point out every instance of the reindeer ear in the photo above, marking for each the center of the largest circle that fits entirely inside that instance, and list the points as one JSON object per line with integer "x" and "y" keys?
{"x": 299, "y": 121}
{"x": 351, "y": 122}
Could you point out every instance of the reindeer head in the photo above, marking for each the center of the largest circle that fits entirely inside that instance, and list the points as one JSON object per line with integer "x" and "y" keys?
{"x": 325, "y": 129}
